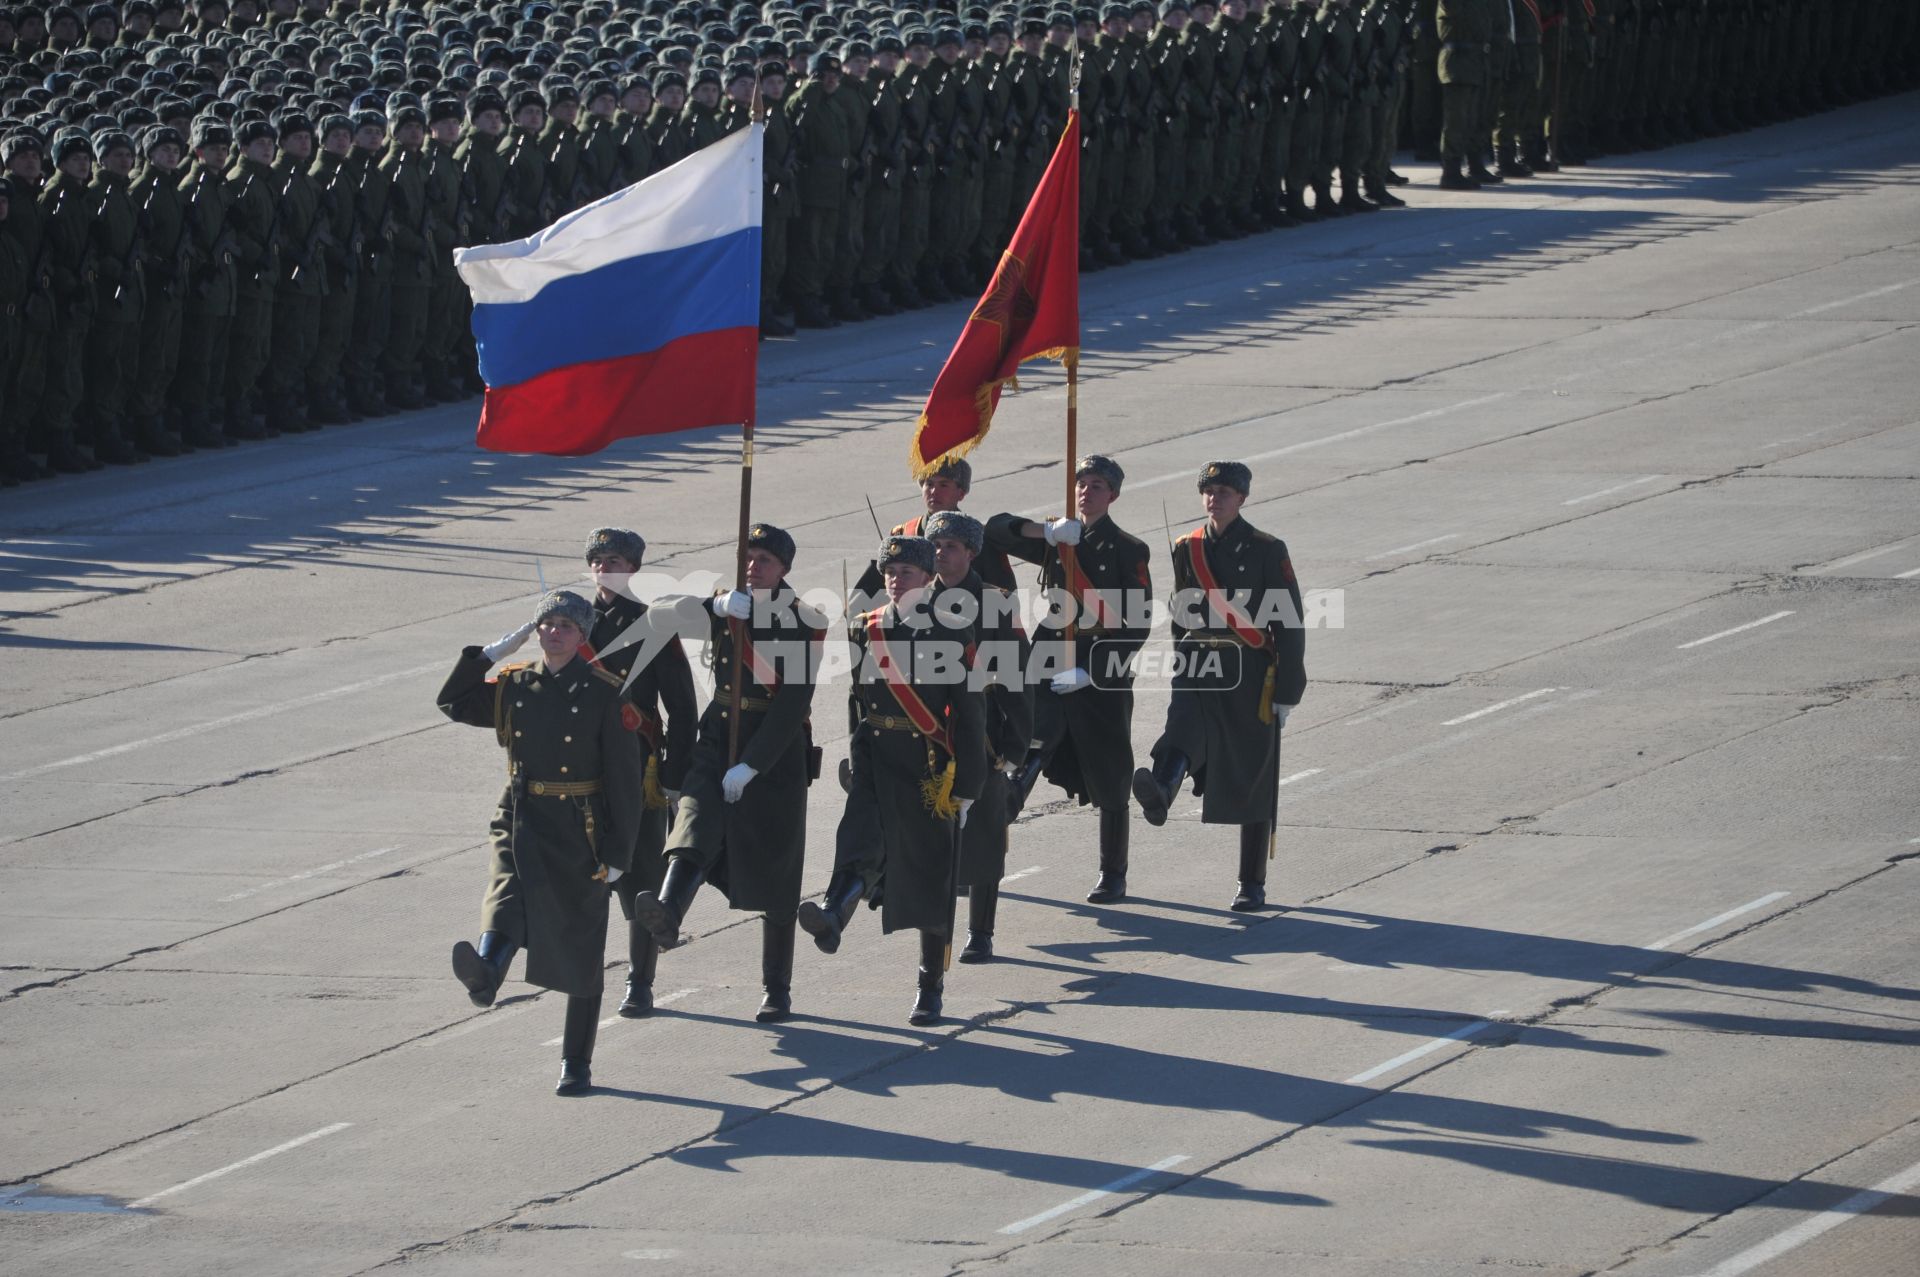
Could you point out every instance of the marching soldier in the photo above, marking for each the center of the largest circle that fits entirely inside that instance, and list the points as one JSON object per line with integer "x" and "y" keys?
{"x": 66, "y": 217}
{"x": 945, "y": 489}
{"x": 666, "y": 742}
{"x": 201, "y": 375}
{"x": 1083, "y": 724}
{"x": 443, "y": 340}
{"x": 1000, "y": 664}
{"x": 752, "y": 851}
{"x": 411, "y": 234}
{"x": 918, "y": 763}
{"x": 566, "y": 824}
{"x": 1236, "y": 627}
{"x": 372, "y": 190}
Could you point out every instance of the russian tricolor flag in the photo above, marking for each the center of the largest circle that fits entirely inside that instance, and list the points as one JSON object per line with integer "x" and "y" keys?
{"x": 636, "y": 315}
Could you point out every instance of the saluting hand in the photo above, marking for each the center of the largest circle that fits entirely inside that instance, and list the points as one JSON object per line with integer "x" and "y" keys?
{"x": 509, "y": 643}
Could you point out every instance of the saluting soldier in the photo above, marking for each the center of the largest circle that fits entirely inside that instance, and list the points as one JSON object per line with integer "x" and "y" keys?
{"x": 919, "y": 761}
{"x": 1083, "y": 725}
{"x": 666, "y": 740}
{"x": 1236, "y": 628}
{"x": 999, "y": 674}
{"x": 566, "y": 824}
{"x": 752, "y": 851}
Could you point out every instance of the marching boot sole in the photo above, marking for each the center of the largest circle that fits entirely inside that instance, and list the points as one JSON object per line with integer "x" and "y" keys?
{"x": 1147, "y": 792}
{"x": 821, "y": 925}
{"x": 473, "y": 971}
{"x": 651, "y": 914}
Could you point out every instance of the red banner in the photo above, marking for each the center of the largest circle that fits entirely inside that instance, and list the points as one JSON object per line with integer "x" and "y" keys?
{"x": 1031, "y": 310}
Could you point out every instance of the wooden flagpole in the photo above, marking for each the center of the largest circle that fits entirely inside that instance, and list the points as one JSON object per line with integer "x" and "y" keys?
{"x": 737, "y": 628}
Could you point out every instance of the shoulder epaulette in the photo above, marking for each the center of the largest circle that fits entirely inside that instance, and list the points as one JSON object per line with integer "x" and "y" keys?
{"x": 1258, "y": 535}
{"x": 606, "y": 675}
{"x": 515, "y": 668}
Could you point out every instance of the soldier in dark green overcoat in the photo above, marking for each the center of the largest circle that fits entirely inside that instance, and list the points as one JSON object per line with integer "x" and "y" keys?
{"x": 302, "y": 284}
{"x": 742, "y": 817}
{"x": 999, "y": 664}
{"x": 1237, "y": 631}
{"x": 917, "y": 762}
{"x": 113, "y": 342}
{"x": 661, "y": 707}
{"x": 567, "y": 821}
{"x": 1083, "y": 711}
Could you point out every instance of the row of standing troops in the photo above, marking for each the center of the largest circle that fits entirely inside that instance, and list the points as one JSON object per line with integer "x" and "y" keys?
{"x": 938, "y": 765}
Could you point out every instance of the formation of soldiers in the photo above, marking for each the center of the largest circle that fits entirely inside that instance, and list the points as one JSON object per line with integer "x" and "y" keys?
{"x": 224, "y": 219}
{"x": 616, "y": 789}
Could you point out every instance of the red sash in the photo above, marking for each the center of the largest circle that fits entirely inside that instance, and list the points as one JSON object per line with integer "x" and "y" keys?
{"x": 1238, "y": 621}
{"x": 1090, "y": 599}
{"x": 755, "y": 664}
{"x": 900, "y": 683}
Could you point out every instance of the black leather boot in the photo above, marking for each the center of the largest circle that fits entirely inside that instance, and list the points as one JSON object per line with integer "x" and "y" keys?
{"x": 983, "y": 902}
{"x": 576, "y": 1046}
{"x": 776, "y": 969}
{"x": 1452, "y": 179}
{"x": 484, "y": 969}
{"x": 1020, "y": 784}
{"x": 643, "y": 957}
{"x": 1112, "y": 887}
{"x": 1155, "y": 789}
{"x": 933, "y": 979}
{"x": 825, "y": 920}
{"x": 1253, "y": 869}
{"x": 663, "y": 911}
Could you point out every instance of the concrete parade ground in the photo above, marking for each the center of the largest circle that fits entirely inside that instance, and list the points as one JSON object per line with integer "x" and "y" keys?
{"x": 1594, "y": 942}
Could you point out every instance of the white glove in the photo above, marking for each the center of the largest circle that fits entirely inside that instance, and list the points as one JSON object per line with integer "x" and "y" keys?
{"x": 509, "y": 643}
{"x": 737, "y": 604}
{"x": 1063, "y": 532}
{"x": 966, "y": 805}
{"x": 613, "y": 875}
{"x": 1280, "y": 713}
{"x": 1071, "y": 681}
{"x": 734, "y": 783}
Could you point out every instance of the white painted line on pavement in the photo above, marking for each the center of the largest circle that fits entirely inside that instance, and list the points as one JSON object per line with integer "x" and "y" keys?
{"x": 1717, "y": 919}
{"x": 1910, "y": 572}
{"x": 1824, "y": 307}
{"x": 1808, "y": 1229}
{"x": 311, "y": 873}
{"x": 1024, "y": 873}
{"x": 1495, "y": 709}
{"x": 244, "y": 1162}
{"x": 1417, "y": 545}
{"x": 1425, "y": 1048}
{"x": 615, "y": 1018}
{"x": 1738, "y": 629}
{"x": 231, "y": 720}
{"x": 1618, "y": 487}
{"x": 1118, "y": 1186}
{"x": 1357, "y": 431}
{"x": 1311, "y": 771}
{"x": 1863, "y": 556}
